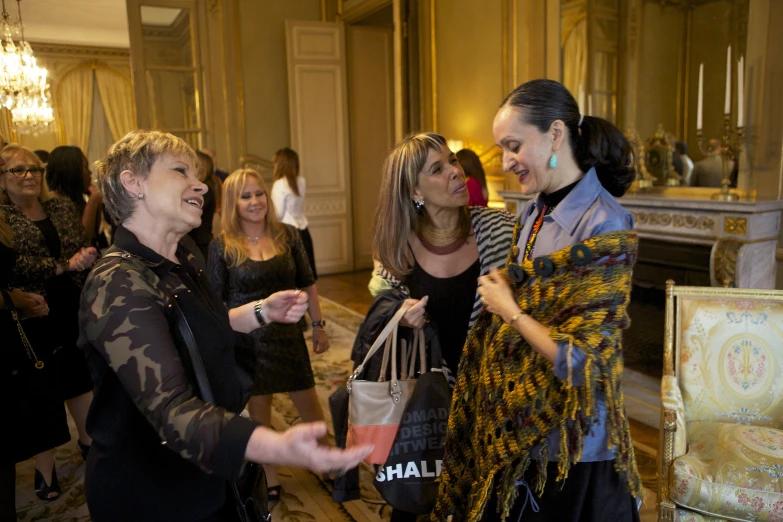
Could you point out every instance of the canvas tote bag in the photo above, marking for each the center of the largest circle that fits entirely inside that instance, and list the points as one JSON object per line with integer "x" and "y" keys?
{"x": 408, "y": 478}
{"x": 375, "y": 408}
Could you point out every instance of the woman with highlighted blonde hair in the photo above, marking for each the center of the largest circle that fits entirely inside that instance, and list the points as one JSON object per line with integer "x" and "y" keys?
{"x": 255, "y": 256}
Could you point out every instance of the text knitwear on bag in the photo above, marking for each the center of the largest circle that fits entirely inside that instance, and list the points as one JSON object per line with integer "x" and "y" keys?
{"x": 507, "y": 398}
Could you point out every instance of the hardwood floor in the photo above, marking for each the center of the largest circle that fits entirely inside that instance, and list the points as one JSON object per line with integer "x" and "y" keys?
{"x": 350, "y": 290}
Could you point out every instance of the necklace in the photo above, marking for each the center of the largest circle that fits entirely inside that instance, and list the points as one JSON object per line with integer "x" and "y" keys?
{"x": 444, "y": 250}
{"x": 442, "y": 242}
{"x": 254, "y": 240}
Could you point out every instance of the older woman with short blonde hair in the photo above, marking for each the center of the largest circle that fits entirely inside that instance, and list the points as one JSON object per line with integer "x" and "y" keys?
{"x": 160, "y": 451}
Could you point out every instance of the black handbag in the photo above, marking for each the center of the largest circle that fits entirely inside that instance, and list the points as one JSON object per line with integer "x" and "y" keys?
{"x": 249, "y": 490}
{"x": 408, "y": 478}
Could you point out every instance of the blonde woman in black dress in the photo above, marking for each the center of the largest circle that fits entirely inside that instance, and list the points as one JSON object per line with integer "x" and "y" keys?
{"x": 254, "y": 257}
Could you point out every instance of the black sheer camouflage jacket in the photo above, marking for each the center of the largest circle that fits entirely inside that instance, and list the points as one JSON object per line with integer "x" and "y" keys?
{"x": 34, "y": 263}
{"x": 135, "y": 358}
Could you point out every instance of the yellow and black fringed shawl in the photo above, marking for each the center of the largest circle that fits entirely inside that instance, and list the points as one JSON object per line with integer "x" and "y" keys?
{"x": 507, "y": 399}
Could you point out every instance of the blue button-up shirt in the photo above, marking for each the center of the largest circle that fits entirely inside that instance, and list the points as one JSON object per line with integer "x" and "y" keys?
{"x": 587, "y": 211}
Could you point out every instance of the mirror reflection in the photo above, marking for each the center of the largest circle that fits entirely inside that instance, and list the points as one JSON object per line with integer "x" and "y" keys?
{"x": 637, "y": 64}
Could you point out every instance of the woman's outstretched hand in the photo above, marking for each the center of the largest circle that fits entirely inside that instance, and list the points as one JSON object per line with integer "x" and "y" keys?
{"x": 287, "y": 306}
{"x": 298, "y": 446}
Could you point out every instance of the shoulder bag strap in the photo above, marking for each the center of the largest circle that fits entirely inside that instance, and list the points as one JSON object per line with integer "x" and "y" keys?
{"x": 186, "y": 334}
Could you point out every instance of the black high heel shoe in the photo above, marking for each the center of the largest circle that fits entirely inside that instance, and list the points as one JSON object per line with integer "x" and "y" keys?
{"x": 43, "y": 490}
{"x": 84, "y": 448}
{"x": 273, "y": 493}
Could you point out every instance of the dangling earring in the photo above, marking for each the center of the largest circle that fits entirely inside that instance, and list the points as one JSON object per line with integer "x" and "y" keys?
{"x": 418, "y": 204}
{"x": 553, "y": 161}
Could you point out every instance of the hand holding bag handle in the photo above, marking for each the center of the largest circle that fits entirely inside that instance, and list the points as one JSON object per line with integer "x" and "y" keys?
{"x": 381, "y": 340}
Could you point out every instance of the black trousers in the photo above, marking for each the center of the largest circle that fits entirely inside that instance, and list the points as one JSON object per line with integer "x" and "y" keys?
{"x": 593, "y": 491}
{"x": 307, "y": 241}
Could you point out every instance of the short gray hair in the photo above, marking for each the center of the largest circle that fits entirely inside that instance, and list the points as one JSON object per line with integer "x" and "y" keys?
{"x": 136, "y": 152}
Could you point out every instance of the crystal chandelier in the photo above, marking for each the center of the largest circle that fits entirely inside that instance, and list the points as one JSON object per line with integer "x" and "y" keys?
{"x": 23, "y": 87}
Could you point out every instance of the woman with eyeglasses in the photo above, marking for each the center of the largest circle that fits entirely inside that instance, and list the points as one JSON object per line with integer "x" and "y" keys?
{"x": 52, "y": 259}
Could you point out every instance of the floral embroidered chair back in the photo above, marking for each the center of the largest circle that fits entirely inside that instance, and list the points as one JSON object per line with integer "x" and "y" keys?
{"x": 722, "y": 395}
{"x": 730, "y": 360}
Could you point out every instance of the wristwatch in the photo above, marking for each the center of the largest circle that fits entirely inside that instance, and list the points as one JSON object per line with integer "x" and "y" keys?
{"x": 259, "y": 310}
{"x": 319, "y": 324}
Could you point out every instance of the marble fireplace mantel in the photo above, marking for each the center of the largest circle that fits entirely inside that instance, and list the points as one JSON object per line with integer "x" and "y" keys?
{"x": 743, "y": 235}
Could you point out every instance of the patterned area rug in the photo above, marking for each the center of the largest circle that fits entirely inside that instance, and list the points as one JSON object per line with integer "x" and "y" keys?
{"x": 306, "y": 497}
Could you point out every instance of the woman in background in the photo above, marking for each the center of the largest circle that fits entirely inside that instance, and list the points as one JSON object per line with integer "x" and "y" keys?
{"x": 53, "y": 256}
{"x": 288, "y": 192}
{"x": 202, "y": 234}
{"x": 68, "y": 175}
{"x": 254, "y": 257}
{"x": 29, "y": 414}
{"x": 477, "y": 180}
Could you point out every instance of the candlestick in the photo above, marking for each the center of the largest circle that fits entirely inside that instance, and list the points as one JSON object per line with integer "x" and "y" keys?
{"x": 727, "y": 104}
{"x": 741, "y": 92}
{"x": 589, "y": 104}
{"x": 700, "y": 106}
{"x": 731, "y": 148}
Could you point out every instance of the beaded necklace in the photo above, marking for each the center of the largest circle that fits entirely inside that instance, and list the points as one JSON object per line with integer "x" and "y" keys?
{"x": 531, "y": 240}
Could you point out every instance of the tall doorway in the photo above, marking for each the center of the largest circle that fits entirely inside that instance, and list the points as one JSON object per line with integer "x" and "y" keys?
{"x": 370, "y": 68}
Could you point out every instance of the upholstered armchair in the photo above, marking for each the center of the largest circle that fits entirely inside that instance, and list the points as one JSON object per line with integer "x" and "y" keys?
{"x": 721, "y": 454}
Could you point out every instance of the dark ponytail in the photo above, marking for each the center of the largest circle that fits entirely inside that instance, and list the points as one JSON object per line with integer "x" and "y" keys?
{"x": 596, "y": 143}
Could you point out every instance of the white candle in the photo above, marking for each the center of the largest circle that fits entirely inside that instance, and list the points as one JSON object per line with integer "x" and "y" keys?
{"x": 741, "y": 92}
{"x": 727, "y": 105}
{"x": 589, "y": 104}
{"x": 700, "y": 106}
{"x": 580, "y": 99}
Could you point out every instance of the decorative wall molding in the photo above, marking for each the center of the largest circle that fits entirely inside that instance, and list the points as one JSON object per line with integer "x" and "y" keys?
{"x": 79, "y": 51}
{"x": 725, "y": 253}
{"x": 325, "y": 206}
{"x": 735, "y": 225}
{"x": 677, "y": 220}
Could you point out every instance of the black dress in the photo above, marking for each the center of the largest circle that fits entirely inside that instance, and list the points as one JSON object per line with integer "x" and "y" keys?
{"x": 37, "y": 410}
{"x": 40, "y": 246}
{"x": 283, "y": 359}
{"x": 449, "y": 306}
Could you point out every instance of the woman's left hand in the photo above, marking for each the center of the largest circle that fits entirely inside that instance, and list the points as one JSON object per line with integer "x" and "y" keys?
{"x": 496, "y": 295}
{"x": 320, "y": 340}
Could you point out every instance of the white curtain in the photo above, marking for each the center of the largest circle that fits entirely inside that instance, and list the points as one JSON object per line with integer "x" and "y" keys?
{"x": 74, "y": 98}
{"x": 101, "y": 136}
{"x": 117, "y": 96}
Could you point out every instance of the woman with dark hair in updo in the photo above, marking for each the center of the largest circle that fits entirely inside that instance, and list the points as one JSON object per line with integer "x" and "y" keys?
{"x": 537, "y": 430}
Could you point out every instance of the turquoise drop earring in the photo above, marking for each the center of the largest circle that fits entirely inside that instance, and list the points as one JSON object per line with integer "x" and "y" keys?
{"x": 553, "y": 161}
